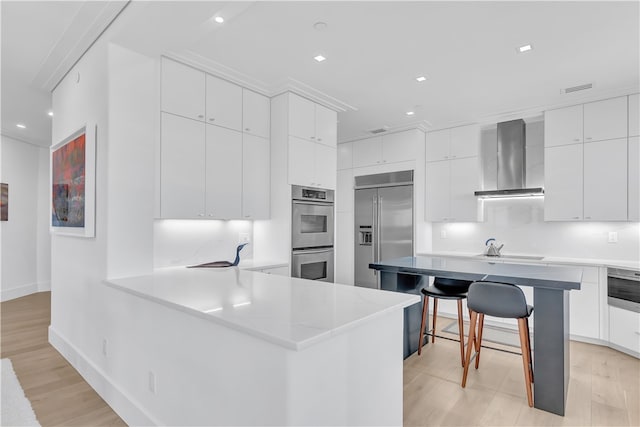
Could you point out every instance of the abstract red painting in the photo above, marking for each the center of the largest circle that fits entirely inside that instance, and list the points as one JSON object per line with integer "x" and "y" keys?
{"x": 68, "y": 170}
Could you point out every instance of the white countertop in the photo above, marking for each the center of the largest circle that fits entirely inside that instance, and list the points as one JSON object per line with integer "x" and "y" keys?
{"x": 633, "y": 265}
{"x": 294, "y": 313}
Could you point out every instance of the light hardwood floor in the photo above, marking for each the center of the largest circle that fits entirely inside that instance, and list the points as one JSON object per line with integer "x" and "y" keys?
{"x": 604, "y": 389}
{"x": 58, "y": 394}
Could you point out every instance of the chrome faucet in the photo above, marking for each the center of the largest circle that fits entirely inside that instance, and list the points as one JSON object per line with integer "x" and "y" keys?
{"x": 492, "y": 250}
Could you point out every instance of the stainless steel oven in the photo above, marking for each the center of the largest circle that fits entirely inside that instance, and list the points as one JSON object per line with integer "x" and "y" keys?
{"x": 623, "y": 289}
{"x": 313, "y": 264}
{"x": 312, "y": 218}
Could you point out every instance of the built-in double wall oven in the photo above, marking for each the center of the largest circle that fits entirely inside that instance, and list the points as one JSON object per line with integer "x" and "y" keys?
{"x": 312, "y": 228}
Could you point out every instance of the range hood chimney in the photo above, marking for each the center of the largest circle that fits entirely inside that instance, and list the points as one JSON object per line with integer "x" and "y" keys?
{"x": 511, "y": 163}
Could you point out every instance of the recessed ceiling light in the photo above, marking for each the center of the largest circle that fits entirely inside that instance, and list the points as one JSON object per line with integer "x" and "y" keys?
{"x": 21, "y": 126}
{"x": 525, "y": 48}
{"x": 50, "y": 113}
{"x": 410, "y": 113}
{"x": 319, "y": 58}
{"x": 421, "y": 78}
{"x": 219, "y": 19}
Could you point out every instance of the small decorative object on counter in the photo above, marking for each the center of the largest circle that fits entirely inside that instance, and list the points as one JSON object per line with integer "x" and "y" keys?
{"x": 492, "y": 250}
{"x": 220, "y": 264}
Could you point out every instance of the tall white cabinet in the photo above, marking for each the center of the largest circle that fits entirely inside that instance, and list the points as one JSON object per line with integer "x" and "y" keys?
{"x": 587, "y": 165}
{"x": 214, "y": 147}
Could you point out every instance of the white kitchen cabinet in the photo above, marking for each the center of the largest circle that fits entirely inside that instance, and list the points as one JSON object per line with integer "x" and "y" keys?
{"x": 183, "y": 90}
{"x": 345, "y": 155}
{"x": 563, "y": 183}
{"x": 325, "y": 166}
{"x": 605, "y": 180}
{"x": 367, "y": 152}
{"x": 344, "y": 191}
{"x": 624, "y": 330}
{"x": 458, "y": 142}
{"x": 224, "y": 103}
{"x": 634, "y": 179}
{"x": 256, "y": 176}
{"x": 308, "y": 120}
{"x": 634, "y": 115}
{"x": 584, "y": 310}
{"x": 182, "y": 178}
{"x": 311, "y": 163}
{"x": 438, "y": 191}
{"x": 255, "y": 113}
{"x": 223, "y": 188}
{"x": 606, "y": 119}
{"x": 563, "y": 126}
{"x": 450, "y": 185}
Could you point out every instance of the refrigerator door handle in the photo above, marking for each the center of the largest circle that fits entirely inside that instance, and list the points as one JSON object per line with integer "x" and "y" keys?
{"x": 374, "y": 239}
{"x": 378, "y": 230}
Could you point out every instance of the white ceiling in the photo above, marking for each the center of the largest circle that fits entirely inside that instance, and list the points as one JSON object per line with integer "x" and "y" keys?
{"x": 374, "y": 52}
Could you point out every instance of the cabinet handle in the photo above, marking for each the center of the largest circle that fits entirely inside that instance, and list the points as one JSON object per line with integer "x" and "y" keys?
{"x": 576, "y": 139}
{"x": 200, "y": 116}
{"x": 200, "y": 214}
{"x": 247, "y": 129}
{"x": 319, "y": 139}
{"x": 247, "y": 216}
{"x": 587, "y": 217}
{"x": 446, "y": 157}
{"x": 588, "y": 137}
{"x": 210, "y": 214}
{"x": 576, "y": 217}
{"x": 211, "y": 119}
{"x": 453, "y": 157}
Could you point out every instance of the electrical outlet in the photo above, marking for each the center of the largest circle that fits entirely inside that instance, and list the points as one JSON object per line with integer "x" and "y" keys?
{"x": 613, "y": 237}
{"x": 104, "y": 347}
{"x": 244, "y": 238}
{"x": 443, "y": 234}
{"x": 152, "y": 382}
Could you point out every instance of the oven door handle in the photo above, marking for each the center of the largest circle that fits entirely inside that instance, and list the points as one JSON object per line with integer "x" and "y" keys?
{"x": 629, "y": 278}
{"x": 311, "y": 251}
{"x": 309, "y": 202}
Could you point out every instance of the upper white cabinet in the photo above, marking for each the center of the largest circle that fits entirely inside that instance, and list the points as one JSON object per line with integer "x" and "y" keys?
{"x": 223, "y": 188}
{"x": 182, "y": 164}
{"x": 605, "y": 180}
{"x": 311, "y": 164}
{"x": 391, "y": 148}
{"x": 345, "y": 155}
{"x": 256, "y": 112}
{"x": 308, "y": 120}
{"x": 224, "y": 103}
{"x": 605, "y": 119}
{"x": 256, "y": 175}
{"x": 458, "y": 142}
{"x": 634, "y": 179}
{"x": 563, "y": 126}
{"x": 450, "y": 185}
{"x": 634, "y": 115}
{"x": 183, "y": 90}
{"x": 563, "y": 183}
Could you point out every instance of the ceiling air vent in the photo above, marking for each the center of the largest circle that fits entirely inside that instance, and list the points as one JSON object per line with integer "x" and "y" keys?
{"x": 377, "y": 131}
{"x": 577, "y": 88}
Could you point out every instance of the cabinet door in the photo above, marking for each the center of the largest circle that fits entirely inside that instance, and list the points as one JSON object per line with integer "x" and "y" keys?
{"x": 325, "y": 166}
{"x": 301, "y": 161}
{"x": 584, "y": 311}
{"x": 465, "y": 180}
{"x": 605, "y": 119}
{"x": 634, "y": 179}
{"x": 399, "y": 147}
{"x": 182, "y": 167}
{"x": 256, "y": 113}
{"x": 465, "y": 141}
{"x": 326, "y": 126}
{"x": 345, "y": 155}
{"x": 256, "y": 177}
{"x": 302, "y": 117}
{"x": 438, "y": 191}
{"x": 224, "y": 173}
{"x": 224, "y": 103}
{"x": 344, "y": 191}
{"x": 437, "y": 147}
{"x": 563, "y": 183}
{"x": 182, "y": 90}
{"x": 605, "y": 180}
{"x": 634, "y": 115}
{"x": 367, "y": 152}
{"x": 624, "y": 329}
{"x": 563, "y": 126}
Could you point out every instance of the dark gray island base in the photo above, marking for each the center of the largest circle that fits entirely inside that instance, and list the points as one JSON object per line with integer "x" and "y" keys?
{"x": 550, "y": 300}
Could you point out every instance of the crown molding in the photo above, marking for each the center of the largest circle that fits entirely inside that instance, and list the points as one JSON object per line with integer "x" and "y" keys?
{"x": 421, "y": 125}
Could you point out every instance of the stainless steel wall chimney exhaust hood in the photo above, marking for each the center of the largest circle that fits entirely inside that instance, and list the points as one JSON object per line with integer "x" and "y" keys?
{"x": 511, "y": 163}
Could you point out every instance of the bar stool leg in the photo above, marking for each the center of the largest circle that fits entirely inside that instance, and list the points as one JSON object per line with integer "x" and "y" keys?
{"x": 435, "y": 314}
{"x": 479, "y": 338}
{"x": 461, "y": 331}
{"x": 470, "y": 345}
{"x": 425, "y": 308}
{"x": 524, "y": 345}
{"x": 526, "y": 322}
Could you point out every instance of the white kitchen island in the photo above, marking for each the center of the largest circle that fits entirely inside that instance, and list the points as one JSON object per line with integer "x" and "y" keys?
{"x": 237, "y": 347}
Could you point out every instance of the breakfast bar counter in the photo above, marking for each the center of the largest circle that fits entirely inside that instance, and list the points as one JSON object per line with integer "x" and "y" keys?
{"x": 237, "y": 347}
{"x": 551, "y": 286}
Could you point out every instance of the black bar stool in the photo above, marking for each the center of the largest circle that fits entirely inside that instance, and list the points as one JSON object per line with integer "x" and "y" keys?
{"x": 503, "y": 300}
{"x": 443, "y": 288}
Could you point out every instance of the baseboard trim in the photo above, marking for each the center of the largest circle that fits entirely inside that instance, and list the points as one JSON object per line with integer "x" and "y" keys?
{"x": 123, "y": 404}
{"x": 20, "y": 291}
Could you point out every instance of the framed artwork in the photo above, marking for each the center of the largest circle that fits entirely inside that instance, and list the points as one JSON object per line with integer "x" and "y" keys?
{"x": 4, "y": 202}
{"x": 73, "y": 184}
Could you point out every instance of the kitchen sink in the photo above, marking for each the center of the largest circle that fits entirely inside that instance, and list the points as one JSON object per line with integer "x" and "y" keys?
{"x": 523, "y": 257}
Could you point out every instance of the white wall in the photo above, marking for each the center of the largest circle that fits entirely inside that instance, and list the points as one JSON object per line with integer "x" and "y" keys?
{"x": 25, "y": 236}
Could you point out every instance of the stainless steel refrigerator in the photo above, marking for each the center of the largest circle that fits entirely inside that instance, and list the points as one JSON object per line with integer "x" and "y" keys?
{"x": 383, "y": 222}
